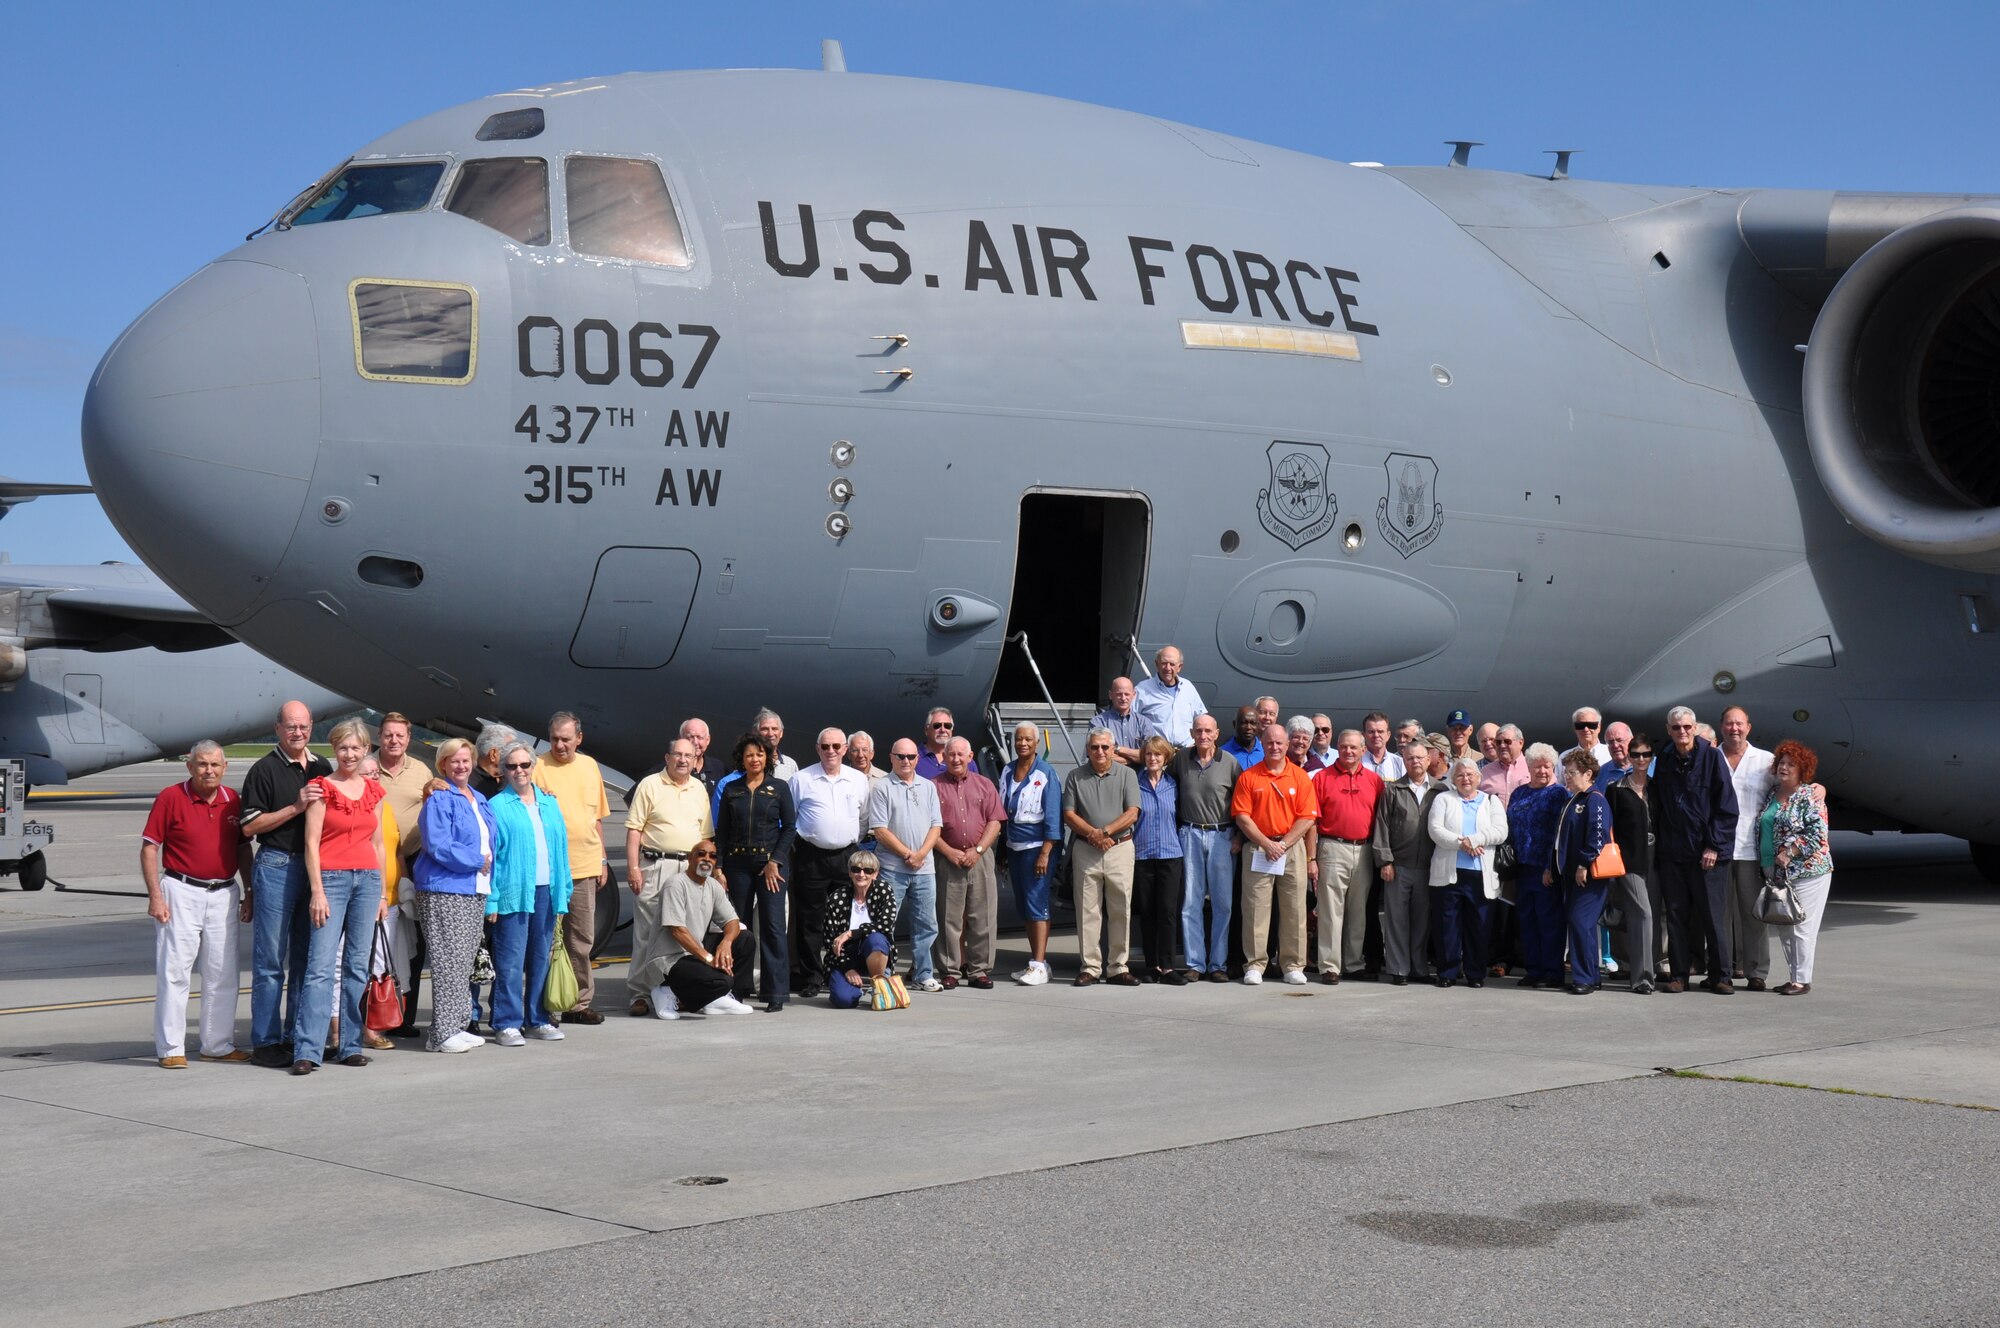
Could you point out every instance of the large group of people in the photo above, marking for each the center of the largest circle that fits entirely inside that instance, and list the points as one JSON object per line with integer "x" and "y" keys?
{"x": 1293, "y": 850}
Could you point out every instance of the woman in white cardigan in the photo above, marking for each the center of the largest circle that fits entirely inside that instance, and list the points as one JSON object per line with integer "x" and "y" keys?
{"x": 1465, "y": 825}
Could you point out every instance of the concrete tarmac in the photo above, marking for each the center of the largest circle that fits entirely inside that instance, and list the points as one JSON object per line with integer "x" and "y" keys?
{"x": 1364, "y": 1153}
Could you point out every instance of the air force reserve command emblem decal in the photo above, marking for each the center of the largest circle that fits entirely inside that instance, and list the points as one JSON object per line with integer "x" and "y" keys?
{"x": 1409, "y": 515}
{"x": 1297, "y": 507}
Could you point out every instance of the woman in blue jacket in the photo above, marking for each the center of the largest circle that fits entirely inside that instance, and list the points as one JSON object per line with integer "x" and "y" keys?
{"x": 453, "y": 873}
{"x": 1581, "y": 835}
{"x": 1532, "y": 813}
{"x": 530, "y": 891}
{"x": 1032, "y": 796}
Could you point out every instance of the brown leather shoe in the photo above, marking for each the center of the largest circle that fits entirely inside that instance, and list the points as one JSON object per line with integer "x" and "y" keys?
{"x": 640, "y": 1008}
{"x": 587, "y": 1017}
{"x": 1125, "y": 979}
{"x": 1672, "y": 984}
{"x": 1758, "y": 984}
{"x": 173, "y": 1062}
{"x": 1084, "y": 979}
{"x": 237, "y": 1055}
{"x": 950, "y": 981}
{"x": 1329, "y": 978}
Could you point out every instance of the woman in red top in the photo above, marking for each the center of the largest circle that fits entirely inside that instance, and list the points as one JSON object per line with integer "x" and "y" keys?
{"x": 344, "y": 871}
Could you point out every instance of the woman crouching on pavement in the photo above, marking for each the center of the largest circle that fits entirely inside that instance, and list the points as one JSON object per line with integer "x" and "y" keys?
{"x": 861, "y": 944}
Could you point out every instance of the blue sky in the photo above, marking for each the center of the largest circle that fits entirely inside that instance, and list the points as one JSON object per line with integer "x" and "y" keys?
{"x": 146, "y": 139}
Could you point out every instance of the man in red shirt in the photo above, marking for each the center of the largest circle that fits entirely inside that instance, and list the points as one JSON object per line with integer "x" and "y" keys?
{"x": 1341, "y": 862}
{"x": 968, "y": 890}
{"x": 1274, "y": 806}
{"x": 192, "y": 855}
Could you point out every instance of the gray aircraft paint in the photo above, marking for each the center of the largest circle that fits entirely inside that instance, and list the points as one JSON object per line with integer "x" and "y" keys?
{"x": 1579, "y": 403}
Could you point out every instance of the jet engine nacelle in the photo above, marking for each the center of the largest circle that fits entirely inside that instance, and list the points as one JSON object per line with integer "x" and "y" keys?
{"x": 1902, "y": 390}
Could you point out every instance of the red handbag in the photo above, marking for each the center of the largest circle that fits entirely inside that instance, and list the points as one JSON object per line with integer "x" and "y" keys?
{"x": 382, "y": 1002}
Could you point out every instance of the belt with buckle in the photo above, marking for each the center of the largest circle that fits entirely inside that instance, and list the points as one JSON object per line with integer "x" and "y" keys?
{"x": 655, "y": 855}
{"x": 222, "y": 884}
{"x": 1196, "y": 825}
{"x": 1358, "y": 843}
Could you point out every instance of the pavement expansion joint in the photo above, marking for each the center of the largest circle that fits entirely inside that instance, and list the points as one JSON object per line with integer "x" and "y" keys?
{"x": 1672, "y": 1072}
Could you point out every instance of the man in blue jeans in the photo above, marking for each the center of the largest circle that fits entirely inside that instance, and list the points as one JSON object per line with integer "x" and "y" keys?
{"x": 276, "y": 793}
{"x": 1206, "y": 776}
{"x": 908, "y": 821}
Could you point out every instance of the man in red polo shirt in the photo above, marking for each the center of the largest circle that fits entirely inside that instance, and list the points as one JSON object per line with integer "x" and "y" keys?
{"x": 1340, "y": 860}
{"x": 192, "y": 855}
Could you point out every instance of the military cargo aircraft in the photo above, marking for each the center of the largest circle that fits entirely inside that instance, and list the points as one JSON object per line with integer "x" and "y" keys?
{"x": 1004, "y": 373}
{"x": 102, "y": 665}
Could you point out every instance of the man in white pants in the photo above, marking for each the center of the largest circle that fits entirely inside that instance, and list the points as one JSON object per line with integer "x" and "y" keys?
{"x": 193, "y": 856}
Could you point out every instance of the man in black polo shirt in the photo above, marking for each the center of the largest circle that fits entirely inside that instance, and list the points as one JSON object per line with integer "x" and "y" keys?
{"x": 275, "y": 797}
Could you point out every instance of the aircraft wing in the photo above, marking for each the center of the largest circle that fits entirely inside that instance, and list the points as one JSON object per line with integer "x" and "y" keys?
{"x": 121, "y": 616}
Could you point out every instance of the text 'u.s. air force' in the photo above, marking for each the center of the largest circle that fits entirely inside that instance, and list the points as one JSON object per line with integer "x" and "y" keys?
{"x": 1055, "y": 261}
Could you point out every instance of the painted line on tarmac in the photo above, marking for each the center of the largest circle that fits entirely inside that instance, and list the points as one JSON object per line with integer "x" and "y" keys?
{"x": 77, "y": 795}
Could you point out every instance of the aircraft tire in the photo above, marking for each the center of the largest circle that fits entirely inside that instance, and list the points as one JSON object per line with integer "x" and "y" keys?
{"x": 606, "y": 918}
{"x": 1986, "y": 857}
{"x": 33, "y": 871}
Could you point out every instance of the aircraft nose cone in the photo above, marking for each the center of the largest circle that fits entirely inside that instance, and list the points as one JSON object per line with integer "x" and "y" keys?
{"x": 201, "y": 427}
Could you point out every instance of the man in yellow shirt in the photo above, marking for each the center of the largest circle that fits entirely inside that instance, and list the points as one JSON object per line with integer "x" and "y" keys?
{"x": 577, "y": 785}
{"x": 668, "y": 816}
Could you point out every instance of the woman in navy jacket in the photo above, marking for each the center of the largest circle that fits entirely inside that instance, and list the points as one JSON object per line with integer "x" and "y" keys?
{"x": 454, "y": 873}
{"x": 1581, "y": 834}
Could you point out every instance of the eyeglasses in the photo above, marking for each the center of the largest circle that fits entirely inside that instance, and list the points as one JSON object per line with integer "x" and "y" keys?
{"x": 1589, "y": 724}
{"x": 829, "y": 746}
{"x": 1322, "y": 728}
{"x": 1641, "y": 753}
{"x": 863, "y": 871}
{"x": 1680, "y": 728}
{"x": 904, "y": 756}
{"x": 1098, "y": 747}
{"x": 520, "y": 765}
{"x": 941, "y": 724}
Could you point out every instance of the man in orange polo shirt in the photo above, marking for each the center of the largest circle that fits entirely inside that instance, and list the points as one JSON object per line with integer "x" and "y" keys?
{"x": 1275, "y": 807}
{"x": 193, "y": 856}
{"x": 1338, "y": 856}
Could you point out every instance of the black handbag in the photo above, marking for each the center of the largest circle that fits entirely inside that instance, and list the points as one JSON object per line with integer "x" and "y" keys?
{"x": 1506, "y": 863}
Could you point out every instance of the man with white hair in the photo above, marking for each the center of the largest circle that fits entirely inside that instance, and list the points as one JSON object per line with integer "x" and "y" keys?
{"x": 1588, "y": 725}
{"x": 1166, "y": 703}
{"x": 1750, "y": 771}
{"x": 1508, "y": 770}
{"x": 772, "y": 730}
{"x": 1100, "y": 805}
{"x": 1694, "y": 826}
{"x": 192, "y": 856}
{"x": 830, "y": 799}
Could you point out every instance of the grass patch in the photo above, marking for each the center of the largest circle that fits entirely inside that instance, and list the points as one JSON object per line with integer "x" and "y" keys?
{"x": 1673, "y": 1073}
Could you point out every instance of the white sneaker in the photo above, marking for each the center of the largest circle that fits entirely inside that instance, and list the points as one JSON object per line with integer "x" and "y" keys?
{"x": 1295, "y": 977}
{"x": 666, "y": 1005}
{"x": 1253, "y": 977}
{"x": 726, "y": 1004}
{"x": 545, "y": 1033}
{"x": 462, "y": 1041}
{"x": 930, "y": 984}
{"x": 510, "y": 1037}
{"x": 1034, "y": 975}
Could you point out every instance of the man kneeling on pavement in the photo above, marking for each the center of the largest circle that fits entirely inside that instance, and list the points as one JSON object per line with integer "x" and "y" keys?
{"x": 693, "y": 968}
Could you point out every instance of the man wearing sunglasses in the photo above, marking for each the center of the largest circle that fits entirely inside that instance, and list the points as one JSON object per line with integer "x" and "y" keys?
{"x": 1100, "y": 805}
{"x": 908, "y": 823}
{"x": 937, "y": 735}
{"x": 1588, "y": 725}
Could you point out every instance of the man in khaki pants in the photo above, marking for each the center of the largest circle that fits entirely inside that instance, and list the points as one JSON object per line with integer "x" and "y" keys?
{"x": 667, "y": 816}
{"x": 1274, "y": 807}
{"x": 577, "y": 785}
{"x": 1100, "y": 805}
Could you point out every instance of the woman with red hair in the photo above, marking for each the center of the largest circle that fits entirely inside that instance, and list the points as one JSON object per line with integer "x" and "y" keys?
{"x": 1792, "y": 839}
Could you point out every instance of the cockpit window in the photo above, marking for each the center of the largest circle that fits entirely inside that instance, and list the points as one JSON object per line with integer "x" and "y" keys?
{"x": 619, "y": 207}
{"x": 414, "y": 331}
{"x": 510, "y": 194}
{"x": 370, "y": 191}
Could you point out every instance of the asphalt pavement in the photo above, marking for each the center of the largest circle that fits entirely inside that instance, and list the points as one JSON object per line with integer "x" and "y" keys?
{"x": 1215, "y": 1153}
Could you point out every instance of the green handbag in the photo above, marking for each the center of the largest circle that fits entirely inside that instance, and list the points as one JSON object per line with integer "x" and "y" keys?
{"x": 559, "y": 992}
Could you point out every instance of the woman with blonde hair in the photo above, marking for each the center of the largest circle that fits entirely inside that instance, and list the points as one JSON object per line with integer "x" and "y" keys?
{"x": 453, "y": 875}
{"x": 343, "y": 840}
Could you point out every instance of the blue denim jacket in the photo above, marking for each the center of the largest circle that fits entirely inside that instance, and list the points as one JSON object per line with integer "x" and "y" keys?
{"x": 449, "y": 862}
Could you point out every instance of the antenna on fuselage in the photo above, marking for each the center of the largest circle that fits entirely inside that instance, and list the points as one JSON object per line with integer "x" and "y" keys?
{"x": 1562, "y": 156}
{"x": 831, "y": 58}
{"x": 1461, "y": 149}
